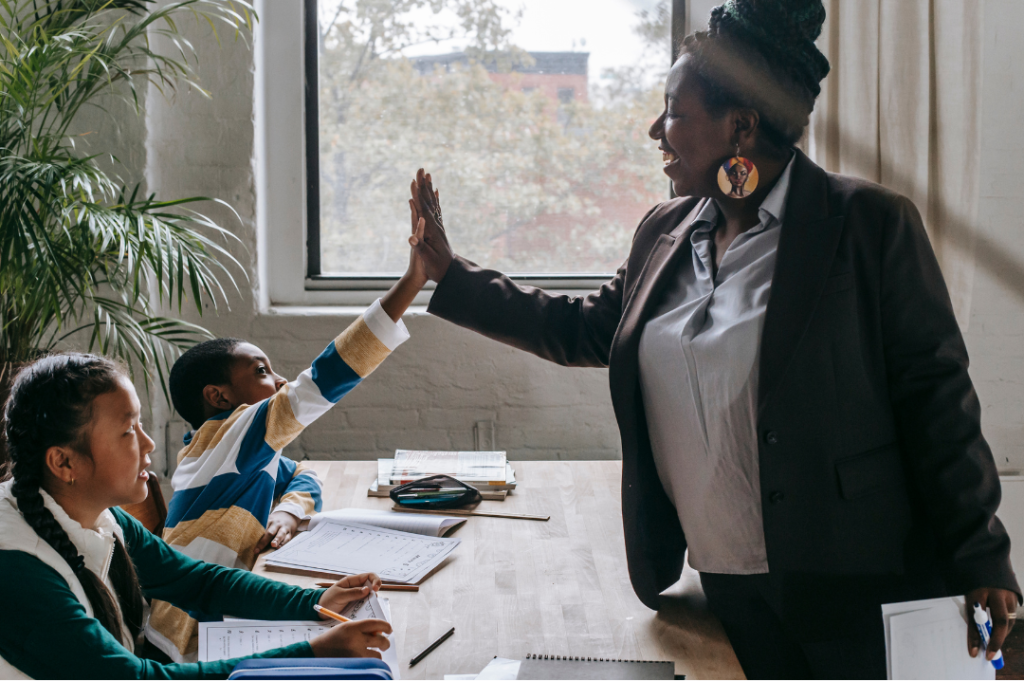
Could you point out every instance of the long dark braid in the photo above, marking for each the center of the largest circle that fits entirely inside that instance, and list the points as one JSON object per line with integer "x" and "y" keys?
{"x": 50, "y": 406}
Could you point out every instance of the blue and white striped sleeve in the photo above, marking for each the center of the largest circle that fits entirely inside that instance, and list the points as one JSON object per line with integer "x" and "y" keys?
{"x": 299, "y": 488}
{"x": 342, "y": 365}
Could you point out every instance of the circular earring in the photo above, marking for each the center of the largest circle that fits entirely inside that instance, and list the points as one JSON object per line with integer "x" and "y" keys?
{"x": 72, "y": 482}
{"x": 737, "y": 177}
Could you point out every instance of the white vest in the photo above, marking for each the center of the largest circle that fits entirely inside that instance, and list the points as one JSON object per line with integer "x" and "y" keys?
{"x": 96, "y": 546}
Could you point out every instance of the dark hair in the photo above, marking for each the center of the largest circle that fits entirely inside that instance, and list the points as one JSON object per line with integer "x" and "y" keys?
{"x": 207, "y": 363}
{"x": 50, "y": 405}
{"x": 760, "y": 54}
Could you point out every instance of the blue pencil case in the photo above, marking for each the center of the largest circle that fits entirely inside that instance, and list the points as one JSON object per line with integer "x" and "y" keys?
{"x": 312, "y": 668}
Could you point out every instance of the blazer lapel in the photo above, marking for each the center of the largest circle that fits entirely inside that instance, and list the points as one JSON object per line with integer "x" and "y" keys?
{"x": 807, "y": 247}
{"x": 640, "y": 304}
{"x": 654, "y": 276}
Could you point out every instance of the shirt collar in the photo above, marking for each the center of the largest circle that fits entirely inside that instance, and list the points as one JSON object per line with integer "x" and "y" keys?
{"x": 774, "y": 205}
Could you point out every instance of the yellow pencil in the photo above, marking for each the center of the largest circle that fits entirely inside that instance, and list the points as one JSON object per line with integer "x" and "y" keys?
{"x": 330, "y": 613}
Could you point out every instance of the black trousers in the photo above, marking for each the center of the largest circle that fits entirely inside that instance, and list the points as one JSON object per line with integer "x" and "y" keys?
{"x": 810, "y": 626}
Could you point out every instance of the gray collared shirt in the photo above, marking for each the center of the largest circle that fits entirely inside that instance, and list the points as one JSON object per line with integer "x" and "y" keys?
{"x": 698, "y": 372}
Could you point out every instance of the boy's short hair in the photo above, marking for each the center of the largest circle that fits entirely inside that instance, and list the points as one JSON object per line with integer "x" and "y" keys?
{"x": 207, "y": 363}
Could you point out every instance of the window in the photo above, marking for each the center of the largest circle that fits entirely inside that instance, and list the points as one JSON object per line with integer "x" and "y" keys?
{"x": 531, "y": 115}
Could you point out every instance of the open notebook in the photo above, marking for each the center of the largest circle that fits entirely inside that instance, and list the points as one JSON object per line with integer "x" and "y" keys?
{"x": 347, "y": 547}
{"x": 427, "y": 525}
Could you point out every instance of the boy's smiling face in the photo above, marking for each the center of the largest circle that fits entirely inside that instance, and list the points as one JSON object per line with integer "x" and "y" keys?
{"x": 252, "y": 380}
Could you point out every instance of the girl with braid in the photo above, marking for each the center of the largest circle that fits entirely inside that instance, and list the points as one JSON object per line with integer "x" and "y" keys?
{"x": 74, "y": 568}
{"x": 787, "y": 373}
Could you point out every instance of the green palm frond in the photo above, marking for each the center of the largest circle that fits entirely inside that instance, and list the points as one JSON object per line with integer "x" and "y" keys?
{"x": 80, "y": 252}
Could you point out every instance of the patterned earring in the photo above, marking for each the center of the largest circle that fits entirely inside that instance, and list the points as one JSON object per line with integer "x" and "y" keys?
{"x": 737, "y": 177}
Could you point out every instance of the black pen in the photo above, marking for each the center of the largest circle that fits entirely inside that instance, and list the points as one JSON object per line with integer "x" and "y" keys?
{"x": 432, "y": 646}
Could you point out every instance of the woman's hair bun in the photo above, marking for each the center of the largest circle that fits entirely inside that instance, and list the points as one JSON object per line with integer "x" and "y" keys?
{"x": 783, "y": 31}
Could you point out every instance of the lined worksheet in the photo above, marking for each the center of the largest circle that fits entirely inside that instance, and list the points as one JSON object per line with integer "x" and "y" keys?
{"x": 240, "y": 638}
{"x": 345, "y": 547}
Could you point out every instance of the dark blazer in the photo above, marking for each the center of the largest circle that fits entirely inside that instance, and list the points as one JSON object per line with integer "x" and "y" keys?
{"x": 871, "y": 453}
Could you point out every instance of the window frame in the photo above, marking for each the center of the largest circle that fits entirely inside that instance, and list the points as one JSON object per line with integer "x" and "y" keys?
{"x": 288, "y": 190}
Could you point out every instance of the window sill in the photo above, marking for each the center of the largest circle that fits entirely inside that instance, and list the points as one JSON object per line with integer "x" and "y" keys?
{"x": 334, "y": 310}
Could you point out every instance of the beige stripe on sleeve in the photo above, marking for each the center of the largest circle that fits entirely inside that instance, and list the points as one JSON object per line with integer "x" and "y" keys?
{"x": 282, "y": 426}
{"x": 232, "y": 527}
{"x": 175, "y": 625}
{"x": 303, "y": 500}
{"x": 360, "y": 348}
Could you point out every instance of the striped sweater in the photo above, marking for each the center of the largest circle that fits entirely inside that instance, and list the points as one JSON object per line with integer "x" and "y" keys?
{"x": 231, "y": 469}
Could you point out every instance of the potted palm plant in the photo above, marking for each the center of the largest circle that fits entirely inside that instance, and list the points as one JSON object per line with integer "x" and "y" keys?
{"x": 82, "y": 252}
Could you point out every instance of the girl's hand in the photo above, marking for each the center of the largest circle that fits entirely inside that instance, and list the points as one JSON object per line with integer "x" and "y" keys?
{"x": 430, "y": 241}
{"x": 353, "y": 639}
{"x": 347, "y": 590}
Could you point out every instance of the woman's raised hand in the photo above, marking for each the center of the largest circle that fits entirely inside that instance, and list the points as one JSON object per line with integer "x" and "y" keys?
{"x": 353, "y": 639}
{"x": 429, "y": 240}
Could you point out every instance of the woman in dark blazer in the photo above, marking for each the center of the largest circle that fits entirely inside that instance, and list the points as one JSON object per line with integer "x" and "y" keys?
{"x": 848, "y": 468}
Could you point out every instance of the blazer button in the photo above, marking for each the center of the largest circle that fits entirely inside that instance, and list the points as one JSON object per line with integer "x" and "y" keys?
{"x": 771, "y": 437}
{"x": 776, "y": 497}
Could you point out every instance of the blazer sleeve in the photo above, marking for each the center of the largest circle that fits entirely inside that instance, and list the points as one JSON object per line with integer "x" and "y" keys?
{"x": 567, "y": 330}
{"x": 937, "y": 412}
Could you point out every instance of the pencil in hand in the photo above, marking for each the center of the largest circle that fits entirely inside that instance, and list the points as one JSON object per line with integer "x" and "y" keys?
{"x": 321, "y": 610}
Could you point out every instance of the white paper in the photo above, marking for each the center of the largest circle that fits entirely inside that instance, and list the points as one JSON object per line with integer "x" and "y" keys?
{"x": 350, "y": 548}
{"x": 500, "y": 668}
{"x": 376, "y": 608}
{"x": 928, "y": 640}
{"x": 385, "y": 466}
{"x": 240, "y": 638}
{"x": 466, "y": 466}
{"x": 390, "y": 656}
{"x": 427, "y": 525}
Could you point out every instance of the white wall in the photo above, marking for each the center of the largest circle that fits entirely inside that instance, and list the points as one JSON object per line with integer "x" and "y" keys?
{"x": 432, "y": 392}
{"x": 440, "y": 384}
{"x": 995, "y": 336}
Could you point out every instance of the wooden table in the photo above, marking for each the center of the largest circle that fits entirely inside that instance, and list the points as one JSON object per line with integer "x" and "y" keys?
{"x": 560, "y": 587}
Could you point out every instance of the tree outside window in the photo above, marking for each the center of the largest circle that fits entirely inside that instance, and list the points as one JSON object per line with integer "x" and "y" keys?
{"x": 542, "y": 168}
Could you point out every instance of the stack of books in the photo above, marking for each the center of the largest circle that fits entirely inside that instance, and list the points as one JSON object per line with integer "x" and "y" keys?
{"x": 489, "y": 472}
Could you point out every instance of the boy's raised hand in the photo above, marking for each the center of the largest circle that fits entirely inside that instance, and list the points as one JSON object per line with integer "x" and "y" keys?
{"x": 281, "y": 527}
{"x": 400, "y": 296}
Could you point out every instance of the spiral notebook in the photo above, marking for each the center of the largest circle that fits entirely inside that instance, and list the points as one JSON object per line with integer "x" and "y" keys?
{"x": 563, "y": 667}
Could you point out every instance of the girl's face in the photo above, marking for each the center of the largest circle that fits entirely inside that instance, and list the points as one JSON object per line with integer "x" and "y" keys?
{"x": 114, "y": 473}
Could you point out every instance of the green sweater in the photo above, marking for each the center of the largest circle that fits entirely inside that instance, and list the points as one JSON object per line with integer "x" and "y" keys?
{"x": 45, "y": 632}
